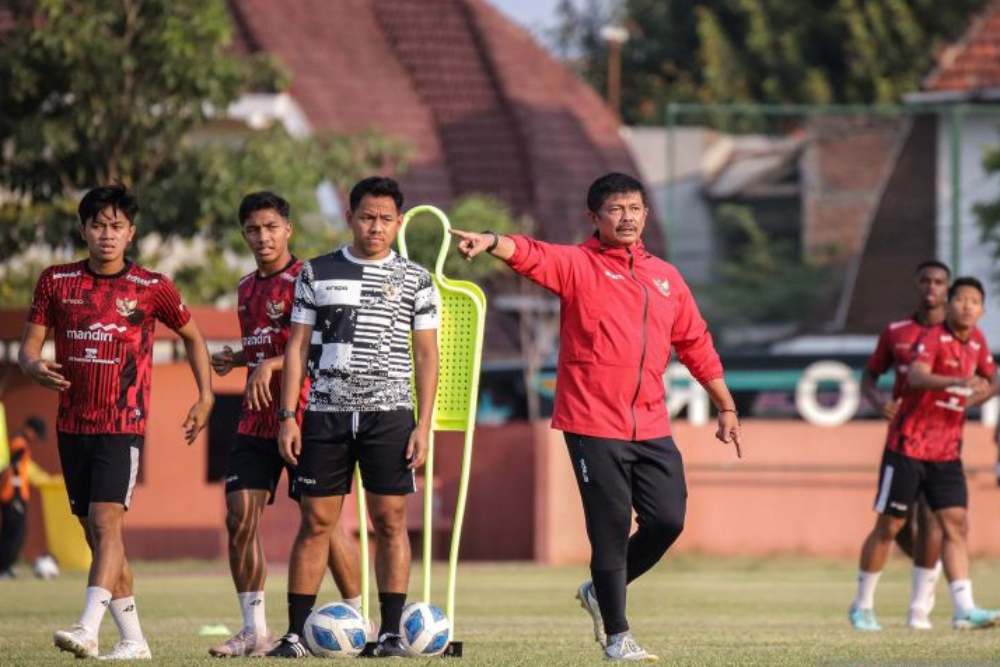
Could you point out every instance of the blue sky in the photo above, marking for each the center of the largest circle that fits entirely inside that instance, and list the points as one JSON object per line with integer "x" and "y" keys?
{"x": 534, "y": 14}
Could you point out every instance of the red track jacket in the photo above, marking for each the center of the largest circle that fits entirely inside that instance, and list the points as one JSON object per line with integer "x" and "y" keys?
{"x": 622, "y": 310}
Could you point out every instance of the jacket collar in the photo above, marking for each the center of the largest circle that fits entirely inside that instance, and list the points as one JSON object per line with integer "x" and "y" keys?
{"x": 619, "y": 253}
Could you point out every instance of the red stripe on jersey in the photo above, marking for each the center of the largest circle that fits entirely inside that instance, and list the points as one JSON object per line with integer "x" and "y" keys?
{"x": 896, "y": 349}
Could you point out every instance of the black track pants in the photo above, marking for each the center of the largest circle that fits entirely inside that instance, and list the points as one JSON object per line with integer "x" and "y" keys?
{"x": 615, "y": 476}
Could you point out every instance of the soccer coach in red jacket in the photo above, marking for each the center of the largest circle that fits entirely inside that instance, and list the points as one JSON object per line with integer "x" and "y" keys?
{"x": 622, "y": 309}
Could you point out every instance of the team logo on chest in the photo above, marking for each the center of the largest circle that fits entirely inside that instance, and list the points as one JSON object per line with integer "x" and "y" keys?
{"x": 662, "y": 285}
{"x": 275, "y": 309}
{"x": 126, "y": 307}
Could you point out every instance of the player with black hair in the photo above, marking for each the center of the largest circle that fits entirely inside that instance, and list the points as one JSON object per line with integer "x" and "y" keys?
{"x": 951, "y": 370}
{"x": 254, "y": 465}
{"x": 103, "y": 313}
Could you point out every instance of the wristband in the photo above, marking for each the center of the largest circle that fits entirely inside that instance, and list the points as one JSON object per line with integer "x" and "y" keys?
{"x": 284, "y": 414}
{"x": 496, "y": 241}
{"x": 733, "y": 410}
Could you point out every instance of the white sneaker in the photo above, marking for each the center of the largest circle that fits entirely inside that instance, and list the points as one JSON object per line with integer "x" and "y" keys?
{"x": 918, "y": 619}
{"x": 243, "y": 644}
{"x": 77, "y": 640}
{"x": 623, "y": 647}
{"x": 129, "y": 649}
{"x": 585, "y": 594}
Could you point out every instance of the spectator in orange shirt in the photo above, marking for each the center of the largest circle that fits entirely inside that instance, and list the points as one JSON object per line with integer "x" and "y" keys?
{"x": 14, "y": 492}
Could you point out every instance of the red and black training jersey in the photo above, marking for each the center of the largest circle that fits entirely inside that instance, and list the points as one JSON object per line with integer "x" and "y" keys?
{"x": 265, "y": 310}
{"x": 929, "y": 424}
{"x": 103, "y": 328}
{"x": 896, "y": 349}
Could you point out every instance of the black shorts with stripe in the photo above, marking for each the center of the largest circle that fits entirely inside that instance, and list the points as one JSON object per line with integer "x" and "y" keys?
{"x": 99, "y": 468}
{"x": 333, "y": 442}
{"x": 903, "y": 479}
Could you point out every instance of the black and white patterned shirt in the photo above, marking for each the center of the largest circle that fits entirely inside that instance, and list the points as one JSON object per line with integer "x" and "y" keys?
{"x": 362, "y": 313}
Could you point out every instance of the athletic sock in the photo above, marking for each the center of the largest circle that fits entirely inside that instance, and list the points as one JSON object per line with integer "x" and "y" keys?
{"x": 922, "y": 593}
{"x": 961, "y": 596}
{"x": 299, "y": 608}
{"x": 254, "y": 617}
{"x": 609, "y": 588}
{"x": 865, "y": 597}
{"x": 391, "y": 606}
{"x": 354, "y": 603}
{"x": 126, "y": 617}
{"x": 96, "y": 604}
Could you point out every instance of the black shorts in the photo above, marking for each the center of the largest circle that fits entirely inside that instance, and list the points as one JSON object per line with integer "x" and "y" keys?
{"x": 99, "y": 468}
{"x": 333, "y": 442}
{"x": 255, "y": 463}
{"x": 902, "y": 479}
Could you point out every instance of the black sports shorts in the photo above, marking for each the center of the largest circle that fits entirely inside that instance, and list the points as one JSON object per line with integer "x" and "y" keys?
{"x": 99, "y": 468}
{"x": 902, "y": 479}
{"x": 255, "y": 463}
{"x": 333, "y": 442}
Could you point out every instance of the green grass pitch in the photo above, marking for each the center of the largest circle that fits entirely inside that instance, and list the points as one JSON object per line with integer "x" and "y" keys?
{"x": 689, "y": 610}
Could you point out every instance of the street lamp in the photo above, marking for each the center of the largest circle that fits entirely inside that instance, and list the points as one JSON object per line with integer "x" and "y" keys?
{"x": 615, "y": 36}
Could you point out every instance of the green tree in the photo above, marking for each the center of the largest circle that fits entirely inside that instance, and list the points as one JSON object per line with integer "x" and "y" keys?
{"x": 762, "y": 51}
{"x": 124, "y": 90}
{"x": 988, "y": 213}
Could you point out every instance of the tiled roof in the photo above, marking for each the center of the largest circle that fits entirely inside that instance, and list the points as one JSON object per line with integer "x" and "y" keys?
{"x": 973, "y": 62}
{"x": 483, "y": 106}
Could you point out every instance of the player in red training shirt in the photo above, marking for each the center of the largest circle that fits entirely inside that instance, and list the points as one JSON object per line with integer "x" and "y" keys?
{"x": 103, "y": 313}
{"x": 920, "y": 537}
{"x": 952, "y": 370}
{"x": 254, "y": 465}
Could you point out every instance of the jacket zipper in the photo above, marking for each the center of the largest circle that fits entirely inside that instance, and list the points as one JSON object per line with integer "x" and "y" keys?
{"x": 642, "y": 355}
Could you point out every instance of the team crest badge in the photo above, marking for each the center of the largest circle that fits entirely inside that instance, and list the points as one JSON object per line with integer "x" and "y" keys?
{"x": 662, "y": 285}
{"x": 275, "y": 309}
{"x": 391, "y": 291}
{"x": 126, "y": 307}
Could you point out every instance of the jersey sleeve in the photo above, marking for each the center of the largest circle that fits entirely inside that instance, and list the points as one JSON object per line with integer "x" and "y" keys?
{"x": 426, "y": 305}
{"x": 881, "y": 359}
{"x": 548, "y": 264}
{"x": 691, "y": 338}
{"x": 168, "y": 307}
{"x": 40, "y": 312}
{"x": 304, "y": 306}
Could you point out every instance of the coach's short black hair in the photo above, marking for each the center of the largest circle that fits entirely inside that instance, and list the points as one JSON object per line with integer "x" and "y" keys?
{"x": 263, "y": 201}
{"x": 612, "y": 184}
{"x": 966, "y": 281}
{"x": 116, "y": 196}
{"x": 36, "y": 424}
{"x": 376, "y": 186}
{"x": 932, "y": 264}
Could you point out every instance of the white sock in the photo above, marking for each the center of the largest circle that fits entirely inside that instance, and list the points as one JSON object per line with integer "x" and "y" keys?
{"x": 96, "y": 604}
{"x": 354, "y": 602}
{"x": 865, "y": 597}
{"x": 254, "y": 618}
{"x": 127, "y": 618}
{"x": 922, "y": 594}
{"x": 961, "y": 596}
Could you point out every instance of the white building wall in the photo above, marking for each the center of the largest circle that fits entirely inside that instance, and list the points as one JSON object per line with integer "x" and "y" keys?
{"x": 980, "y": 131}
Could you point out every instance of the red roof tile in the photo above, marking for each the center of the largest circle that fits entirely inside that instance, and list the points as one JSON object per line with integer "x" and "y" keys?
{"x": 973, "y": 62}
{"x": 484, "y": 107}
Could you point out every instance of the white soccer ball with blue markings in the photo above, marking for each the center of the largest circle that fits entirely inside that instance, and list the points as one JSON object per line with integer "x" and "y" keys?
{"x": 336, "y": 630}
{"x": 425, "y": 629}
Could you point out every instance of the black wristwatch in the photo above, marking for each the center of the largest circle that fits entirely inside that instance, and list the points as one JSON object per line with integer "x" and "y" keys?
{"x": 284, "y": 414}
{"x": 496, "y": 240}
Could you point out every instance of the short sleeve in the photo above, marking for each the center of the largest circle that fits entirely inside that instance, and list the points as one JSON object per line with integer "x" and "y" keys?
{"x": 168, "y": 307}
{"x": 881, "y": 359}
{"x": 41, "y": 312}
{"x": 304, "y": 306}
{"x": 426, "y": 305}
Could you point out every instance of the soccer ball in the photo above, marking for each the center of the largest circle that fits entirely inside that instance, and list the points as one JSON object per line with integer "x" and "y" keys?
{"x": 425, "y": 629}
{"x": 46, "y": 567}
{"x": 336, "y": 630}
